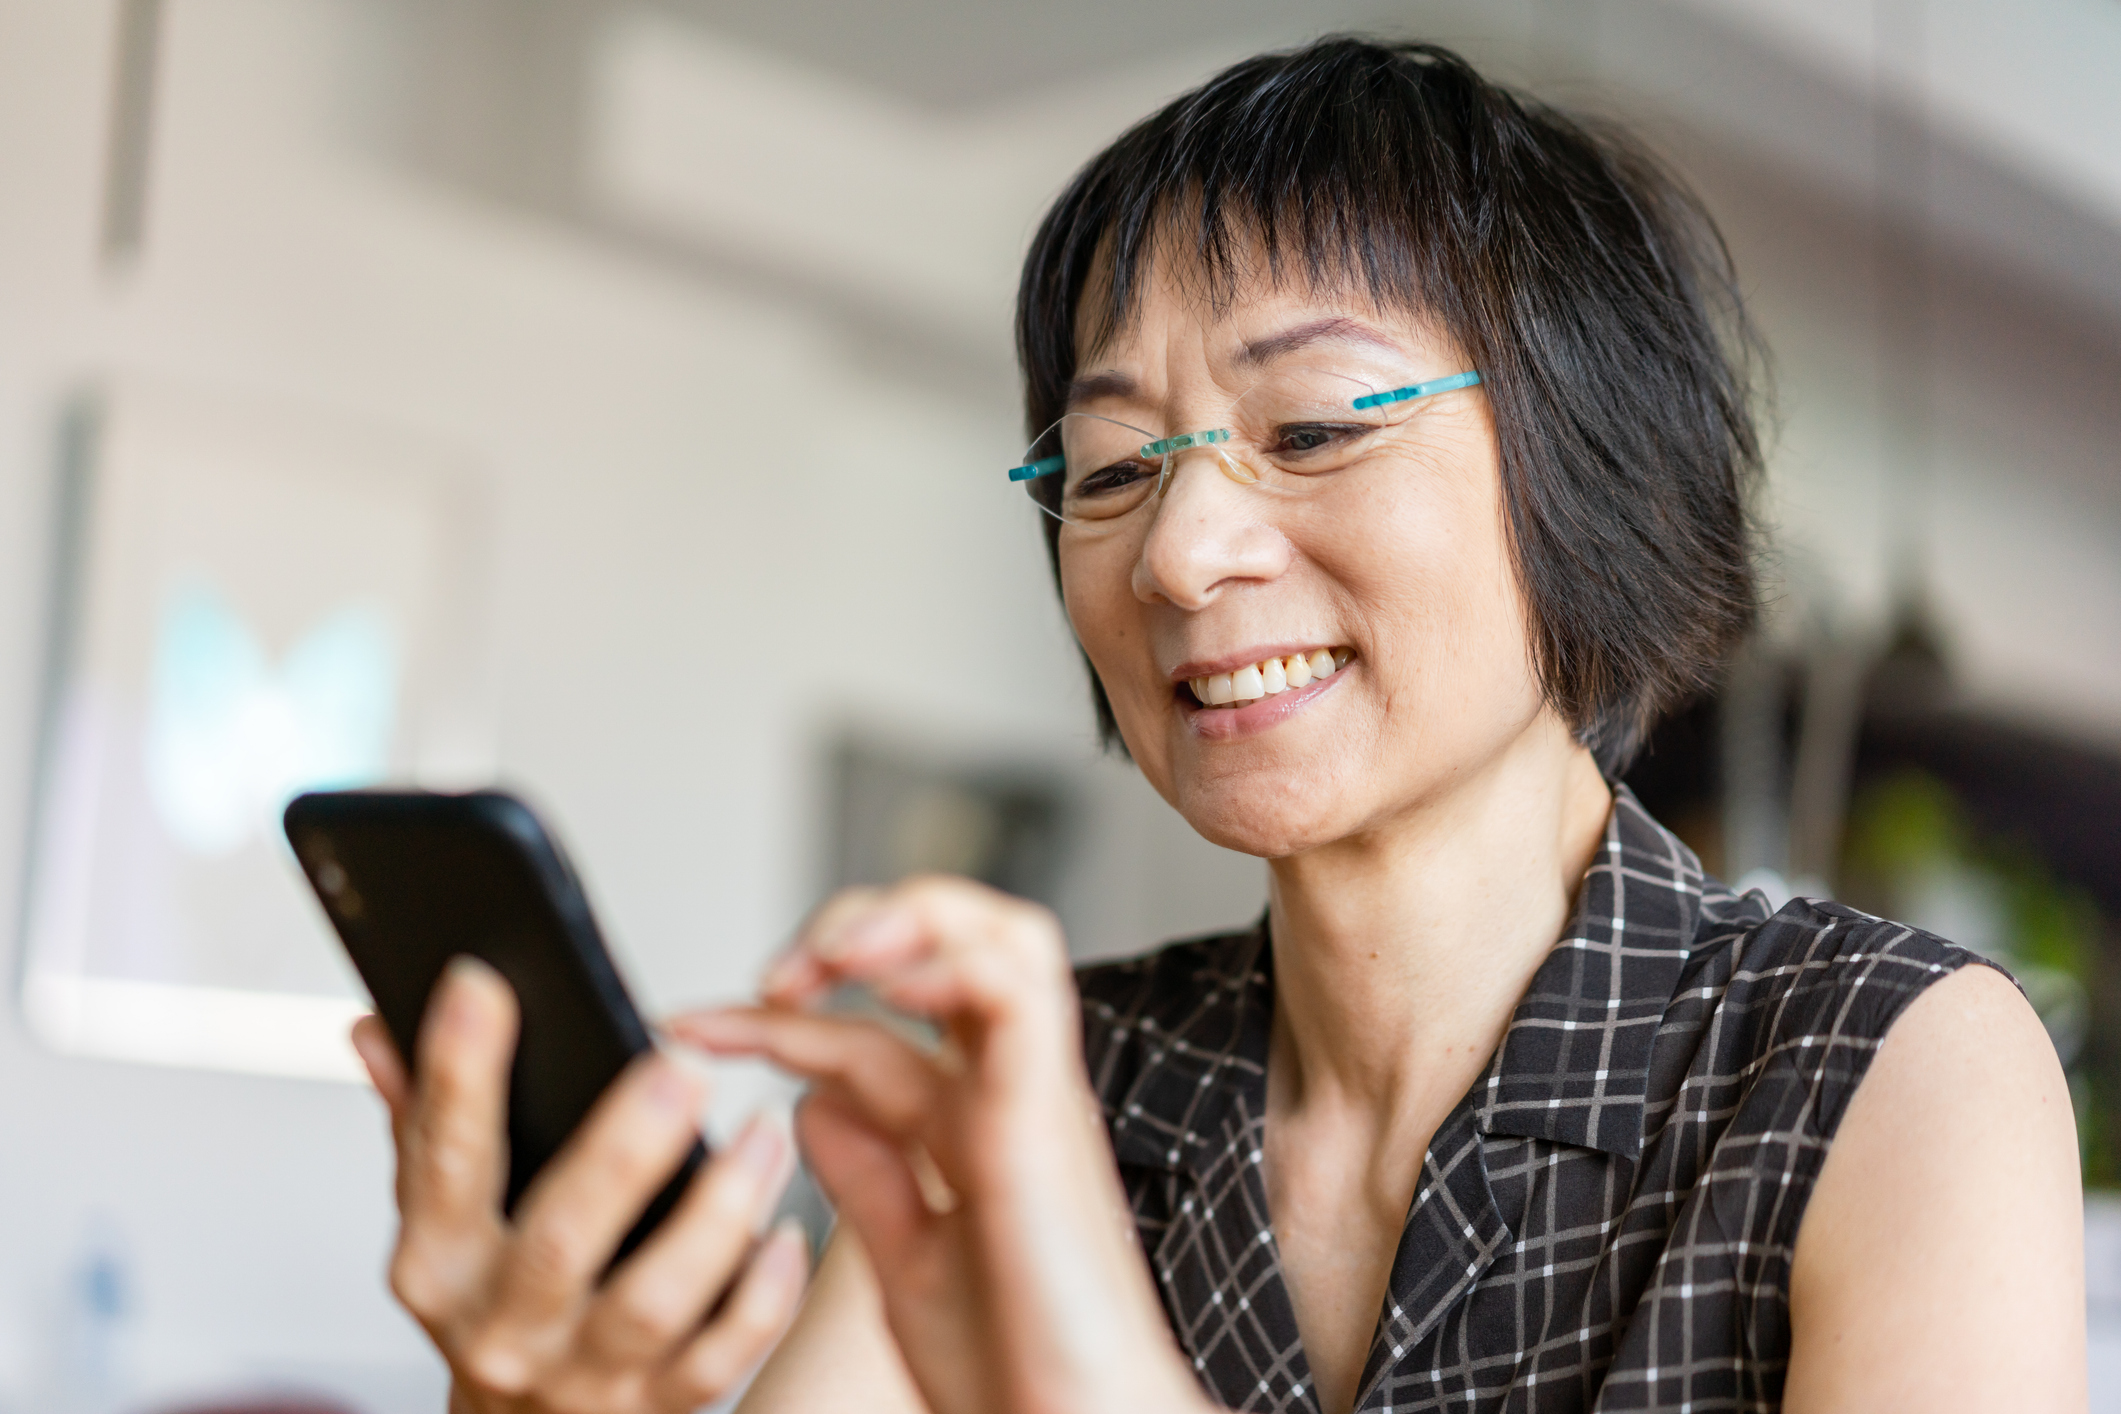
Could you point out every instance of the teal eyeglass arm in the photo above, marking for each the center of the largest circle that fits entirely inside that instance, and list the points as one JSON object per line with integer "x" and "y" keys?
{"x": 1044, "y": 466}
{"x": 1048, "y": 466}
{"x": 1417, "y": 390}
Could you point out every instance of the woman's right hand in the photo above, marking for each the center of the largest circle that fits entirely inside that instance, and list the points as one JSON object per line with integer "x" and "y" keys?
{"x": 515, "y": 1305}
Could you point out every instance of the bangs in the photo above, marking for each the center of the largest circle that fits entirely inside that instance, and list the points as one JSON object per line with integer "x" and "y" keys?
{"x": 1330, "y": 172}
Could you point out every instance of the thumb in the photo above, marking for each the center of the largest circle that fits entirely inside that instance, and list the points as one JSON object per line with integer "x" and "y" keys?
{"x": 868, "y": 1177}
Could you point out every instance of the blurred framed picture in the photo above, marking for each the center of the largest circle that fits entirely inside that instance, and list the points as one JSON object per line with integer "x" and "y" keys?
{"x": 898, "y": 810}
{"x": 250, "y": 602}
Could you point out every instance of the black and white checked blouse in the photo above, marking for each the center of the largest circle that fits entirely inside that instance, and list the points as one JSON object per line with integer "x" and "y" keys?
{"x": 1605, "y": 1221}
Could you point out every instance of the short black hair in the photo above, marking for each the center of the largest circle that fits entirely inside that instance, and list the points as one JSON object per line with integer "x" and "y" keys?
{"x": 1583, "y": 279}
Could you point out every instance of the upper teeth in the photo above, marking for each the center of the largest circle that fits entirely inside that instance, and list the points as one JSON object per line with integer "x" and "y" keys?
{"x": 1269, "y": 676}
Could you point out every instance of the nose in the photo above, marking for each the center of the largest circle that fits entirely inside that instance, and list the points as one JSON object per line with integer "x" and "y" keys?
{"x": 1206, "y": 533}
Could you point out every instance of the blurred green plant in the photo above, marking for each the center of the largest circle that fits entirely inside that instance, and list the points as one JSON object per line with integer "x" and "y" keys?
{"x": 1912, "y": 853}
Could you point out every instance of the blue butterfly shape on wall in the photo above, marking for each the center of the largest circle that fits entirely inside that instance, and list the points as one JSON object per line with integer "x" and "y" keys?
{"x": 231, "y": 737}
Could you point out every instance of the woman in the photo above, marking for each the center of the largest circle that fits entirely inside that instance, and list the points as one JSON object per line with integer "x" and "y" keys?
{"x": 1395, "y": 483}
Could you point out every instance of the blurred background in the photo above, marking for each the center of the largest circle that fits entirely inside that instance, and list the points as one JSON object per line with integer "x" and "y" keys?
{"x": 609, "y": 396}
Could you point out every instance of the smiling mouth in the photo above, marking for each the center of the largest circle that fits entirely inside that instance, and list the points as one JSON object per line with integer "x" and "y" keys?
{"x": 1267, "y": 677}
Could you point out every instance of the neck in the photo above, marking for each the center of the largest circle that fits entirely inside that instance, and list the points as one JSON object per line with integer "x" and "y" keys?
{"x": 1400, "y": 953}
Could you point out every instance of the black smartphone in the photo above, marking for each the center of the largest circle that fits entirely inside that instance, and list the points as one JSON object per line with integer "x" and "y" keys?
{"x": 411, "y": 879}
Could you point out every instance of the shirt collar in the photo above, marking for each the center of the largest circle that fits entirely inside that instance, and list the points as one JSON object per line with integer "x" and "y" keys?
{"x": 1573, "y": 1066}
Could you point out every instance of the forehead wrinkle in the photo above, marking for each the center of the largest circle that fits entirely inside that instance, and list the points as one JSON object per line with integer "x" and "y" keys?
{"x": 1336, "y": 329}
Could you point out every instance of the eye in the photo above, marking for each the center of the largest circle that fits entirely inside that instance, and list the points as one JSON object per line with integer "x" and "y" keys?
{"x": 1119, "y": 476}
{"x": 1298, "y": 440}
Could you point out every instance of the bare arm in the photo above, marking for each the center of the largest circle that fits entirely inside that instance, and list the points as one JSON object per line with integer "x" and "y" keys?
{"x": 1940, "y": 1264}
{"x": 839, "y": 1354}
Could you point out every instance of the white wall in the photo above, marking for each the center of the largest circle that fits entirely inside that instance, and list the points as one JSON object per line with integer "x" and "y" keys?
{"x": 723, "y": 527}
{"x": 2017, "y": 518}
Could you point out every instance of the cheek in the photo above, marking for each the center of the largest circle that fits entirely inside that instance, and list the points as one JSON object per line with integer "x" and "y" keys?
{"x": 1107, "y": 621}
{"x": 1428, "y": 573}
{"x": 1098, "y": 618}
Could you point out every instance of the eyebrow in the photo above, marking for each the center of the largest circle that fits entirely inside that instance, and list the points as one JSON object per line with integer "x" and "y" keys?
{"x": 1091, "y": 386}
{"x": 1110, "y": 383}
{"x": 1337, "y": 328}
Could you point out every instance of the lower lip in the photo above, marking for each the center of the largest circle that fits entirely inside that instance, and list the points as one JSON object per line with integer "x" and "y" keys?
{"x": 1236, "y": 723}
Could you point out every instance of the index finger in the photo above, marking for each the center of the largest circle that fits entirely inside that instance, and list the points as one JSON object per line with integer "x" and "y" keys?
{"x": 937, "y": 945}
{"x": 799, "y": 973}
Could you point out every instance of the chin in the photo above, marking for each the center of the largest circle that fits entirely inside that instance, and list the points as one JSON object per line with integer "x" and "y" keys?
{"x": 1272, "y": 797}
{"x": 1266, "y": 818}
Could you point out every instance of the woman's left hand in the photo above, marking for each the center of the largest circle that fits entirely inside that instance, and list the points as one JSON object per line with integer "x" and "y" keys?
{"x": 977, "y": 1174}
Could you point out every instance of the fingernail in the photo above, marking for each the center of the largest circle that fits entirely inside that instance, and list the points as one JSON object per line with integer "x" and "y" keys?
{"x": 465, "y": 965}
{"x": 461, "y": 1010}
{"x": 710, "y": 1027}
{"x": 791, "y": 1230}
{"x": 784, "y": 971}
{"x": 669, "y": 1088}
{"x": 696, "y": 1069}
{"x": 880, "y": 925}
{"x": 759, "y": 1149}
{"x": 367, "y": 1047}
{"x": 463, "y": 978}
{"x": 781, "y": 1258}
{"x": 850, "y": 932}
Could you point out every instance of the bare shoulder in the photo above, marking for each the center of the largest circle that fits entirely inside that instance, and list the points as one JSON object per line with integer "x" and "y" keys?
{"x": 1939, "y": 1265}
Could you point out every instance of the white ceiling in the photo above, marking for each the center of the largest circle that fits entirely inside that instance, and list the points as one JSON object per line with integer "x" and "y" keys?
{"x": 889, "y": 157}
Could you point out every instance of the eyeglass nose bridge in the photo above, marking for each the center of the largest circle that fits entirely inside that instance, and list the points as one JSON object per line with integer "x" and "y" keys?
{"x": 1204, "y": 438}
{"x": 1168, "y": 448}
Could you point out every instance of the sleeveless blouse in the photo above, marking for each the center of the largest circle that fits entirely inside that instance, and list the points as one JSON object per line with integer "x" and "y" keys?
{"x": 1604, "y": 1222}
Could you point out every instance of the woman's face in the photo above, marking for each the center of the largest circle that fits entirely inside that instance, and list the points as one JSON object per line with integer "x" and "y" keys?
{"x": 1399, "y": 563}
